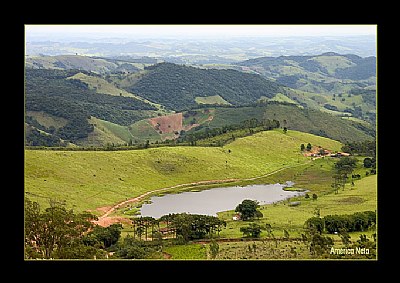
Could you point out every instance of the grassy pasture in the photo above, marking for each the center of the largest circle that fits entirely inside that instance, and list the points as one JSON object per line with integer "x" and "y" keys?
{"x": 92, "y": 179}
{"x": 101, "y": 85}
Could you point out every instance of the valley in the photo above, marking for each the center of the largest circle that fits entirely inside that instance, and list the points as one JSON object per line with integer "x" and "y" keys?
{"x": 109, "y": 125}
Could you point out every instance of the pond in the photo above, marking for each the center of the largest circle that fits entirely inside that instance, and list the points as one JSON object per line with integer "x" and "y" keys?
{"x": 211, "y": 201}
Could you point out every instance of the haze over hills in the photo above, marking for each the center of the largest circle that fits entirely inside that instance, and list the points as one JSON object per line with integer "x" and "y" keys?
{"x": 202, "y": 50}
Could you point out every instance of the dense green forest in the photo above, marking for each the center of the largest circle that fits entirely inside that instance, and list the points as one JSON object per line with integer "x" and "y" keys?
{"x": 177, "y": 86}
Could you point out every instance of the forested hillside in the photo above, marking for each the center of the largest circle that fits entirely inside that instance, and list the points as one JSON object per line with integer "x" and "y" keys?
{"x": 75, "y": 107}
{"x": 328, "y": 72}
{"x": 51, "y": 92}
{"x": 177, "y": 86}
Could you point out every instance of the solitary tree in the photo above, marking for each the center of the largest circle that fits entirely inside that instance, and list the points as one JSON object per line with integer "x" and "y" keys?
{"x": 247, "y": 209}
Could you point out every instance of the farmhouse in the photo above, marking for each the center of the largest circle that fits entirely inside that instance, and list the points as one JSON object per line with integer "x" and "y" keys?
{"x": 318, "y": 152}
{"x": 236, "y": 217}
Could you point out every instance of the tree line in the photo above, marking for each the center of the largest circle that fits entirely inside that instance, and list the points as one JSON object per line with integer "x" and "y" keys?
{"x": 365, "y": 148}
{"x": 59, "y": 233}
{"x": 204, "y": 132}
{"x": 356, "y": 222}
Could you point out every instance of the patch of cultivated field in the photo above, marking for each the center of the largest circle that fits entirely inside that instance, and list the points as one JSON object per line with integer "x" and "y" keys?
{"x": 92, "y": 179}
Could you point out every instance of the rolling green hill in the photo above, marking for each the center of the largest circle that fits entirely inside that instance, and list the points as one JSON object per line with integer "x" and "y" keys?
{"x": 86, "y": 63}
{"x": 91, "y": 179}
{"x": 322, "y": 70}
{"x": 294, "y": 118}
{"x": 343, "y": 83}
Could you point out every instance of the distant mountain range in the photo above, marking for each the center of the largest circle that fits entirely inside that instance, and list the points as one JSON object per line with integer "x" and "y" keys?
{"x": 205, "y": 50}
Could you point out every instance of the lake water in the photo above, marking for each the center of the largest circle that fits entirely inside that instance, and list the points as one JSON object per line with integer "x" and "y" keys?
{"x": 211, "y": 201}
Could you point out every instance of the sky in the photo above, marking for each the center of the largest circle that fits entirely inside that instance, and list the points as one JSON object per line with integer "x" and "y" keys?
{"x": 200, "y": 31}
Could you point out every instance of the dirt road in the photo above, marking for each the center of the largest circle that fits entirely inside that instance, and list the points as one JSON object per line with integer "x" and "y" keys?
{"x": 106, "y": 220}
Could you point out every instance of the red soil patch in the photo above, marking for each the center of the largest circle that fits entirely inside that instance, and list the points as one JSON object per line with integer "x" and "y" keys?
{"x": 168, "y": 124}
{"x": 104, "y": 209}
{"x": 107, "y": 221}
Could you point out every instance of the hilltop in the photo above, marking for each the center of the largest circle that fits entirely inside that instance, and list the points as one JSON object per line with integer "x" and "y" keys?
{"x": 94, "y": 64}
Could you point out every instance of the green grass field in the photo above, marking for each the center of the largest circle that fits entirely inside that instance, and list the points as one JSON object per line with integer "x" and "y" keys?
{"x": 92, "y": 179}
{"x": 361, "y": 197}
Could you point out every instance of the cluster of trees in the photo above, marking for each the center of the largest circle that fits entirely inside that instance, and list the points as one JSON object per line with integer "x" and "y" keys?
{"x": 320, "y": 245}
{"x": 133, "y": 248}
{"x": 58, "y": 233}
{"x": 181, "y": 226}
{"x": 177, "y": 86}
{"x": 356, "y": 111}
{"x": 356, "y": 222}
{"x": 330, "y": 107}
{"x": 369, "y": 162}
{"x": 203, "y": 132}
{"x": 303, "y": 147}
{"x": 366, "y": 148}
